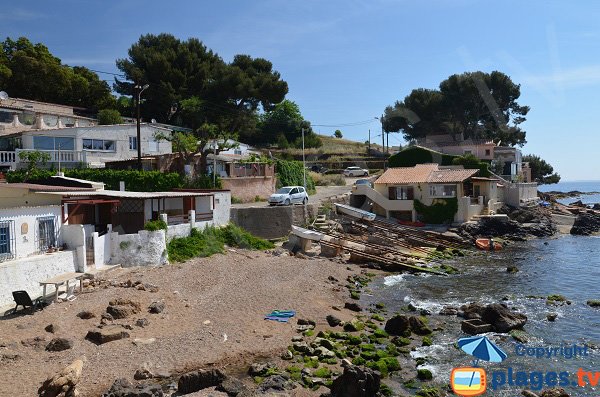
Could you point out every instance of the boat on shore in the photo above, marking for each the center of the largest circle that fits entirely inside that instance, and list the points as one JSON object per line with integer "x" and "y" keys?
{"x": 484, "y": 244}
{"x": 355, "y": 212}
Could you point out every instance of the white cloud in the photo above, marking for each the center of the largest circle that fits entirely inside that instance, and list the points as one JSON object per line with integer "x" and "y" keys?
{"x": 566, "y": 79}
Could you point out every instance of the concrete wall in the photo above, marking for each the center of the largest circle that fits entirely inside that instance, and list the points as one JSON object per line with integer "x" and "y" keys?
{"x": 222, "y": 210}
{"x": 25, "y": 220}
{"x": 11, "y": 197}
{"x": 517, "y": 194}
{"x": 272, "y": 222}
{"x": 247, "y": 188}
{"x": 181, "y": 230}
{"x": 74, "y": 237}
{"x": 26, "y": 273}
{"x": 144, "y": 248}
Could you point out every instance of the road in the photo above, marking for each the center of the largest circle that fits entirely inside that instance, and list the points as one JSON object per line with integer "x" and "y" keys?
{"x": 323, "y": 193}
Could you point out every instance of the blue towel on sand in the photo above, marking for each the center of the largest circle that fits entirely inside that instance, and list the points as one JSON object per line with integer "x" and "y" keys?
{"x": 281, "y": 316}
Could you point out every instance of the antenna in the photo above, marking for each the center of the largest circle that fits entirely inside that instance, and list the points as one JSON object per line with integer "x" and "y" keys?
{"x": 3, "y": 95}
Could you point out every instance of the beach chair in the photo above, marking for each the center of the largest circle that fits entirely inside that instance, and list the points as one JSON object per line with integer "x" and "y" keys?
{"x": 69, "y": 294}
{"x": 22, "y": 298}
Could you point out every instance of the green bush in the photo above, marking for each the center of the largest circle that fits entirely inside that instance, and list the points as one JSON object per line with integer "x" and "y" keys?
{"x": 211, "y": 241}
{"x": 411, "y": 156}
{"x": 109, "y": 116}
{"x": 203, "y": 182}
{"x": 155, "y": 225}
{"x": 291, "y": 173}
{"x": 441, "y": 211}
{"x": 137, "y": 181}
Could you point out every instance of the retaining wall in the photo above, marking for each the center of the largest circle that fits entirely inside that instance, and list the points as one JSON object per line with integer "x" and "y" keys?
{"x": 272, "y": 222}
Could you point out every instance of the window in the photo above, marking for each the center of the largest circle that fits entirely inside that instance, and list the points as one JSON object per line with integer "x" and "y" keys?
{"x": 99, "y": 144}
{"x": 152, "y": 146}
{"x": 7, "y": 242}
{"x": 133, "y": 143}
{"x": 401, "y": 193}
{"x": 300, "y": 190}
{"x": 53, "y": 143}
{"x": 294, "y": 191}
{"x": 487, "y": 152}
{"x": 442, "y": 190}
{"x": 468, "y": 151}
{"x": 46, "y": 233}
{"x": 237, "y": 151}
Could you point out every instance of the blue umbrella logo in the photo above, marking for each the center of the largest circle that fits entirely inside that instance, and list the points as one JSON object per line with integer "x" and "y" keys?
{"x": 482, "y": 348}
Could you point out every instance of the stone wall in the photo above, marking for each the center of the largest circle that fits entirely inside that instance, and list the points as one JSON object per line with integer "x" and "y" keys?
{"x": 26, "y": 273}
{"x": 144, "y": 248}
{"x": 272, "y": 222}
{"x": 247, "y": 188}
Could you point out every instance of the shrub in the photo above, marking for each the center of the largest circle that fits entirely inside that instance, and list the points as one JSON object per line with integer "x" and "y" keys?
{"x": 204, "y": 182}
{"x": 109, "y": 116}
{"x": 322, "y": 372}
{"x": 291, "y": 173}
{"x": 441, "y": 211}
{"x": 153, "y": 226}
{"x": 328, "y": 180}
{"x": 235, "y": 236}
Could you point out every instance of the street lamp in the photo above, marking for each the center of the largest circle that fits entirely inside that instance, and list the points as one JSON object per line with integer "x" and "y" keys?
{"x": 139, "y": 89}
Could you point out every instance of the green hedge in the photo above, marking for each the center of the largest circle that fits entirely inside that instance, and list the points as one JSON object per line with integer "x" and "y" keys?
{"x": 414, "y": 155}
{"x": 139, "y": 181}
{"x": 440, "y": 211}
{"x": 291, "y": 173}
{"x": 153, "y": 226}
{"x": 410, "y": 157}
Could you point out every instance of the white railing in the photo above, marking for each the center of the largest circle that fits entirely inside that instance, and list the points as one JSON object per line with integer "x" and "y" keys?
{"x": 63, "y": 156}
{"x": 8, "y": 158}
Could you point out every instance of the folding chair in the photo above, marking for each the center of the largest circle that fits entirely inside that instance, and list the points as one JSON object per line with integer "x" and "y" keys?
{"x": 69, "y": 294}
{"x": 22, "y": 298}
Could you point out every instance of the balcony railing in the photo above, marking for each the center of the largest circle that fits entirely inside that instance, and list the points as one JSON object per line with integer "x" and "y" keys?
{"x": 8, "y": 158}
{"x": 63, "y": 156}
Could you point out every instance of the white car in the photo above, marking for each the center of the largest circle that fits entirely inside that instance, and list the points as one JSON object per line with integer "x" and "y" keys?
{"x": 289, "y": 195}
{"x": 355, "y": 171}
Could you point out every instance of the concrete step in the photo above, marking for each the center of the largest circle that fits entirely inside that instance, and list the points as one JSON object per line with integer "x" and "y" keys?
{"x": 96, "y": 272}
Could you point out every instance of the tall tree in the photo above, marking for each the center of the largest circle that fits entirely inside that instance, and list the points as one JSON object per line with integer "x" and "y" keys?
{"x": 541, "y": 171}
{"x": 283, "y": 122}
{"x": 228, "y": 95}
{"x": 30, "y": 71}
{"x": 472, "y": 105}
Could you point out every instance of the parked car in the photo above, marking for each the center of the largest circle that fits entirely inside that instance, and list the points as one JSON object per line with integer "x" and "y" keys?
{"x": 318, "y": 168}
{"x": 355, "y": 171}
{"x": 289, "y": 195}
{"x": 363, "y": 182}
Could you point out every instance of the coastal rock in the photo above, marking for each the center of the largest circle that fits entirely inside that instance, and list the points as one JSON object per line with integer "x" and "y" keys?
{"x": 449, "y": 311}
{"x": 509, "y": 229}
{"x": 122, "y": 308}
{"x": 106, "y": 334}
{"x": 471, "y": 311}
{"x": 528, "y": 393}
{"x": 397, "y": 325}
{"x": 418, "y": 326}
{"x": 554, "y": 392}
{"x": 302, "y": 321}
{"x": 232, "y": 386}
{"x": 503, "y": 319}
{"x": 198, "y": 380}
{"x": 64, "y": 383}
{"x": 333, "y": 321}
{"x": 59, "y": 344}
{"x": 276, "y": 383}
{"x": 352, "y": 306}
{"x": 85, "y": 315}
{"x": 156, "y": 307}
{"x": 261, "y": 369}
{"x": 586, "y": 223}
{"x": 593, "y": 303}
{"x": 124, "y": 388}
{"x": 142, "y": 322}
{"x": 356, "y": 382}
{"x": 52, "y": 328}
{"x": 551, "y": 316}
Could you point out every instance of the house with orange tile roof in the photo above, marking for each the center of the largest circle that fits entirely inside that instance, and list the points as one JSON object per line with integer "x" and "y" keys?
{"x": 400, "y": 192}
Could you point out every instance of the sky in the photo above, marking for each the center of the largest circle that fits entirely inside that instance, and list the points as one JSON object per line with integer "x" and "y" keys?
{"x": 345, "y": 61}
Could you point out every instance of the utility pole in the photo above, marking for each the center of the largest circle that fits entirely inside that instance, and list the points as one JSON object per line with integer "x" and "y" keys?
{"x": 369, "y": 153}
{"x": 139, "y": 89}
{"x": 303, "y": 159}
{"x": 387, "y": 134}
{"x": 382, "y": 135}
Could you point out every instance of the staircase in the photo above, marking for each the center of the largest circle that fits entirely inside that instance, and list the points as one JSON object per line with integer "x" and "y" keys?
{"x": 321, "y": 224}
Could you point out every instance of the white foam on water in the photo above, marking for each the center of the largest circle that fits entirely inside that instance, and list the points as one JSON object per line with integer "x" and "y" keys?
{"x": 393, "y": 280}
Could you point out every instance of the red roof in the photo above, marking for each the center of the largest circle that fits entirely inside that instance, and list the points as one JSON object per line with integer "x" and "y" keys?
{"x": 424, "y": 173}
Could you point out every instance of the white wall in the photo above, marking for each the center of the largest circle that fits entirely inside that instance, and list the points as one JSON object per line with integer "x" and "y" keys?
{"x": 25, "y": 274}
{"x": 517, "y": 194}
{"x": 181, "y": 230}
{"x": 26, "y": 244}
{"x": 74, "y": 237}
{"x": 144, "y": 248}
{"x": 221, "y": 213}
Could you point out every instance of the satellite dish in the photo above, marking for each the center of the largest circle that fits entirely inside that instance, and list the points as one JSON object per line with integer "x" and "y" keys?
{"x": 153, "y": 121}
{"x": 3, "y": 95}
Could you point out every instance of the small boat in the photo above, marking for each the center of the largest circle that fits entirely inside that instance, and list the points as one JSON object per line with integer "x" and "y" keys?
{"x": 484, "y": 244}
{"x": 355, "y": 212}
{"x": 410, "y": 223}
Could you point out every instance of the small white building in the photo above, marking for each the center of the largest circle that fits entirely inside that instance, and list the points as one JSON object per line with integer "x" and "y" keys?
{"x": 91, "y": 146}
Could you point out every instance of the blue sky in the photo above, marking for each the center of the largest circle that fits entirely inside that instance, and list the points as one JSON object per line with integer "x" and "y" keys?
{"x": 345, "y": 61}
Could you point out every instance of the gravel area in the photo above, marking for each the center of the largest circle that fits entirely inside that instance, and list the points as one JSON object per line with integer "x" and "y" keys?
{"x": 213, "y": 315}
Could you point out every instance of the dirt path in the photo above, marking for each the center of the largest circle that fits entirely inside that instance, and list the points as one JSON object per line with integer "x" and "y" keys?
{"x": 214, "y": 314}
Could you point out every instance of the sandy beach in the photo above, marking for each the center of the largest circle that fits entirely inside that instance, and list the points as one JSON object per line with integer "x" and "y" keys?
{"x": 213, "y": 316}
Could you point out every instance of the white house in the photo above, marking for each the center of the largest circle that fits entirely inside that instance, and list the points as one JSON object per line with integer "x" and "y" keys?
{"x": 48, "y": 230}
{"x": 91, "y": 146}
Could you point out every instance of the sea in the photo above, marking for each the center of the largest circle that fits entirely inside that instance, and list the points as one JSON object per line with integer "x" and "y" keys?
{"x": 565, "y": 265}
{"x": 592, "y": 188}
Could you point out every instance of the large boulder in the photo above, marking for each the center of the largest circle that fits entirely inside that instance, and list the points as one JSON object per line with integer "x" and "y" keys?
{"x": 528, "y": 223}
{"x": 502, "y": 318}
{"x": 418, "y": 326}
{"x": 106, "y": 334}
{"x": 471, "y": 311}
{"x": 356, "y": 382}
{"x": 59, "y": 344}
{"x": 397, "y": 325}
{"x": 586, "y": 223}
{"x": 124, "y": 388}
{"x": 64, "y": 383}
{"x": 198, "y": 380}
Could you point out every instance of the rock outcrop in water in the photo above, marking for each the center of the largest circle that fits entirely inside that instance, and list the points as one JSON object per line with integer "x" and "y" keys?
{"x": 500, "y": 317}
{"x": 508, "y": 228}
{"x": 586, "y": 223}
{"x": 356, "y": 382}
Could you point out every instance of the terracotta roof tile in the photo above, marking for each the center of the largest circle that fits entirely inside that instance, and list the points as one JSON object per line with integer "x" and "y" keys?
{"x": 424, "y": 173}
